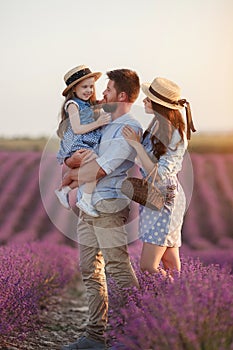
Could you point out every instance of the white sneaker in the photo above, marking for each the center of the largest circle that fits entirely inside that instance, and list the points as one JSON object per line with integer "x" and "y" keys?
{"x": 63, "y": 198}
{"x": 87, "y": 208}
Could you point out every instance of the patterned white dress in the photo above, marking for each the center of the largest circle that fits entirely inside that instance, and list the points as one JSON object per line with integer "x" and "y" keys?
{"x": 163, "y": 227}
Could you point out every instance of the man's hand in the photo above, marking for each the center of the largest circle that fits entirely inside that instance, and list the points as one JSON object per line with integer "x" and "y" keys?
{"x": 88, "y": 172}
{"x": 80, "y": 157}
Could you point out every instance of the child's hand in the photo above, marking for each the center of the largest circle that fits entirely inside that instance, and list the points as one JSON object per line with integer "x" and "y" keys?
{"x": 100, "y": 102}
{"x": 104, "y": 118}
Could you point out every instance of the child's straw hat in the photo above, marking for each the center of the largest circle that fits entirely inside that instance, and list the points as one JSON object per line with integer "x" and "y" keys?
{"x": 78, "y": 74}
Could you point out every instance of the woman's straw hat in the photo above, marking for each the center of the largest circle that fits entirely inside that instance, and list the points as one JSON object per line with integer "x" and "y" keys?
{"x": 164, "y": 92}
{"x": 78, "y": 74}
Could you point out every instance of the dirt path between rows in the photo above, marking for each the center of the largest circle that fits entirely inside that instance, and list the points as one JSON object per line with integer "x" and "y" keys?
{"x": 63, "y": 321}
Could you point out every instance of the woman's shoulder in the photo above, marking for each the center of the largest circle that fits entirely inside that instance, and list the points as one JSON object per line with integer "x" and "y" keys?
{"x": 178, "y": 140}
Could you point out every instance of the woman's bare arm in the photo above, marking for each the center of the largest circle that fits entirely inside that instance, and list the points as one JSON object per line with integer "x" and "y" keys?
{"x": 134, "y": 140}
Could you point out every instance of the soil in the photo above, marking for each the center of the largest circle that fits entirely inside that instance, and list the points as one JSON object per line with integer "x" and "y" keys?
{"x": 63, "y": 320}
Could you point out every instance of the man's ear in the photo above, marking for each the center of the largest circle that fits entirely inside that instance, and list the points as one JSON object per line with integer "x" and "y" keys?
{"x": 123, "y": 97}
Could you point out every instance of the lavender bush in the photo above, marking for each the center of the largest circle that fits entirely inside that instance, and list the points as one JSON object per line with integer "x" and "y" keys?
{"x": 29, "y": 274}
{"x": 193, "y": 313}
{"x": 208, "y": 221}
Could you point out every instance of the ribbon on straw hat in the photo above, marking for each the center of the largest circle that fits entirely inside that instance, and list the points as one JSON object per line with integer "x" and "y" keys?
{"x": 182, "y": 102}
{"x": 189, "y": 119}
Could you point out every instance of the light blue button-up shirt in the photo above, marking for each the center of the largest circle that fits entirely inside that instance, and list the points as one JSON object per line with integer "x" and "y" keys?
{"x": 116, "y": 157}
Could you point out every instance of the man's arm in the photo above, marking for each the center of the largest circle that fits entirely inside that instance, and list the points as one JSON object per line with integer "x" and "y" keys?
{"x": 118, "y": 151}
{"x": 79, "y": 158}
{"x": 87, "y": 173}
{"x": 107, "y": 163}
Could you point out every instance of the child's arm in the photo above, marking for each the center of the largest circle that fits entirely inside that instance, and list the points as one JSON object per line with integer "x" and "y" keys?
{"x": 79, "y": 128}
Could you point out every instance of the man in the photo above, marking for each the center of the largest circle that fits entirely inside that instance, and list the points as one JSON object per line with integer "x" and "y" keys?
{"x": 103, "y": 240}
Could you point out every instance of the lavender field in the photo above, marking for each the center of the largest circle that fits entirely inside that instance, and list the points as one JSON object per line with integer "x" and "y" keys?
{"x": 208, "y": 224}
{"x": 38, "y": 258}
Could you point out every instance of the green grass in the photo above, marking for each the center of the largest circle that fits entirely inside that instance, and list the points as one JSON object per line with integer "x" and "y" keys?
{"x": 200, "y": 143}
{"x": 211, "y": 143}
{"x": 26, "y": 144}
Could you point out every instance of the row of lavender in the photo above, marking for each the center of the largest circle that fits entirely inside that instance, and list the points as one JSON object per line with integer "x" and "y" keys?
{"x": 36, "y": 262}
{"x": 31, "y": 272}
{"x": 209, "y": 220}
{"x": 195, "y": 312}
{"x": 23, "y": 217}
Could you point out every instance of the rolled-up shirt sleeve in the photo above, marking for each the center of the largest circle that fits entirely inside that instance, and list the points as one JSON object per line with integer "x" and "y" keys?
{"x": 117, "y": 152}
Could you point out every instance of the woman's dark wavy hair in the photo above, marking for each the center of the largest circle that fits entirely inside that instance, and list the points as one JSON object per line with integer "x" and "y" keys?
{"x": 169, "y": 119}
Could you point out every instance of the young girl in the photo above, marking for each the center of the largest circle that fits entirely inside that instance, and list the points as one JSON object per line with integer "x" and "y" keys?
{"x": 163, "y": 146}
{"x": 78, "y": 129}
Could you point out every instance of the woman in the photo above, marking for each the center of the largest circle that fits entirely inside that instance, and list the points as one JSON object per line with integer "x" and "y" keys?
{"x": 163, "y": 145}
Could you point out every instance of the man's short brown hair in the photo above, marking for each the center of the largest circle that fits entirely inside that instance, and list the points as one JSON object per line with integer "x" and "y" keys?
{"x": 125, "y": 80}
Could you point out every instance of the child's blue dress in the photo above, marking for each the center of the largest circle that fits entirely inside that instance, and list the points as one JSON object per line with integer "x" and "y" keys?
{"x": 72, "y": 142}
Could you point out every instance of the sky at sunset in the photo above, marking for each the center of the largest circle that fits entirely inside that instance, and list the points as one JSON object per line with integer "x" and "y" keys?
{"x": 188, "y": 41}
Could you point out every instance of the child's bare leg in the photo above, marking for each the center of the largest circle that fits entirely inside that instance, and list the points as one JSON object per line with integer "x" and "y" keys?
{"x": 85, "y": 202}
{"x": 72, "y": 162}
{"x": 67, "y": 181}
{"x": 78, "y": 157}
{"x": 66, "y": 186}
{"x": 89, "y": 187}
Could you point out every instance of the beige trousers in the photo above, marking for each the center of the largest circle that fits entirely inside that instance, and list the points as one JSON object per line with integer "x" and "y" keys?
{"x": 103, "y": 250}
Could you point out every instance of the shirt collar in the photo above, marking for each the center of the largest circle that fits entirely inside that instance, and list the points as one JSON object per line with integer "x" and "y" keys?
{"x": 121, "y": 119}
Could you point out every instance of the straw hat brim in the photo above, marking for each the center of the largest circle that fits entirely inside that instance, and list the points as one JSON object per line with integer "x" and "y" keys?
{"x": 145, "y": 89}
{"x": 95, "y": 75}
